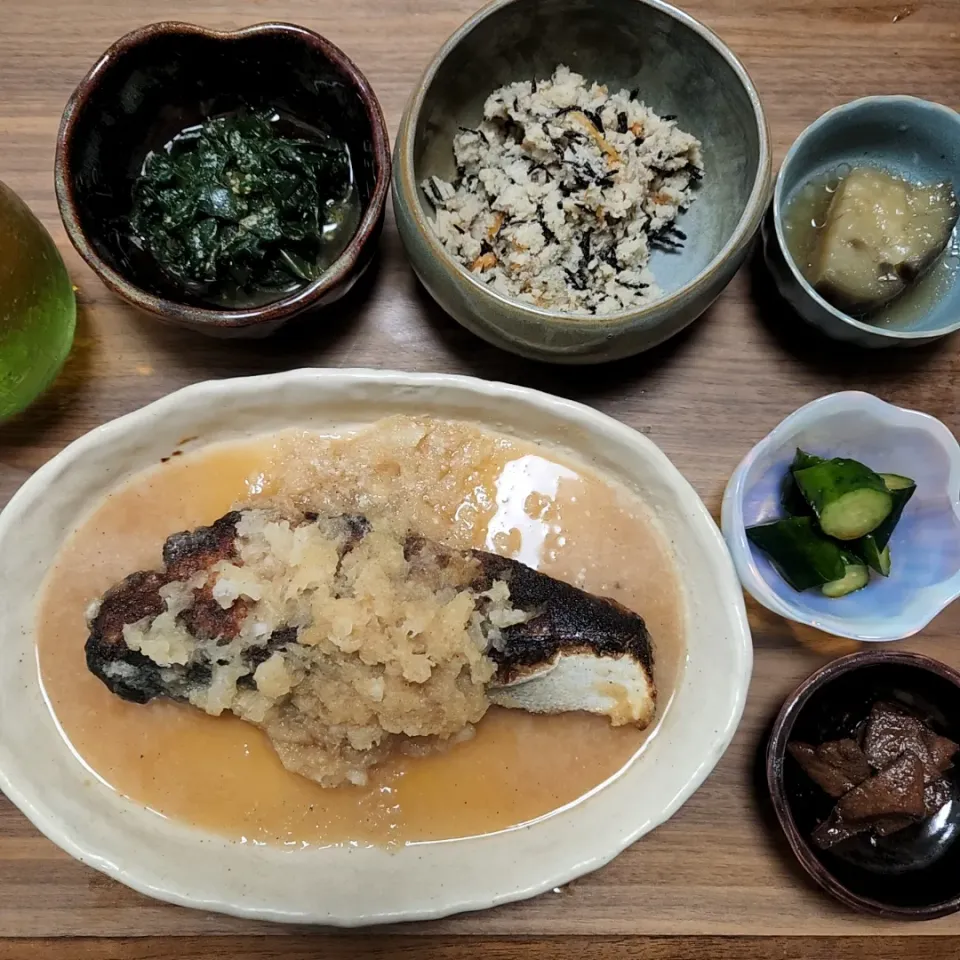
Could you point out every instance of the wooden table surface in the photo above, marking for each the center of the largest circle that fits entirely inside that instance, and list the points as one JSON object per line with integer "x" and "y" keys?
{"x": 718, "y": 876}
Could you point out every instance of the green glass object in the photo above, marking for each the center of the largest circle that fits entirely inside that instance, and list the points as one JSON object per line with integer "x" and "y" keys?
{"x": 38, "y": 310}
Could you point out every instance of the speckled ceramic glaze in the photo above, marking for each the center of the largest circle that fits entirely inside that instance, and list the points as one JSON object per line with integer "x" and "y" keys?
{"x": 347, "y": 885}
{"x": 910, "y": 875}
{"x": 680, "y": 68}
{"x": 160, "y": 79}
{"x": 910, "y": 138}
{"x": 925, "y": 546}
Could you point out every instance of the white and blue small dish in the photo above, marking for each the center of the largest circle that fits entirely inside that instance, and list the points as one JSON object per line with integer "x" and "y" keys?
{"x": 905, "y": 136}
{"x": 925, "y": 547}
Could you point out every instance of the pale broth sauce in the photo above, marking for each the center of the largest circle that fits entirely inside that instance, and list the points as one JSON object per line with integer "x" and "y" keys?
{"x": 454, "y": 481}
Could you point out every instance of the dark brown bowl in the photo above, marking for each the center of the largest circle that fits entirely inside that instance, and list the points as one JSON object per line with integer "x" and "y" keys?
{"x": 162, "y": 78}
{"x": 911, "y": 875}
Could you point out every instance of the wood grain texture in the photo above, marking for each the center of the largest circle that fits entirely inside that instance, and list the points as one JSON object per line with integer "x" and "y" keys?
{"x": 720, "y": 866}
{"x": 350, "y": 947}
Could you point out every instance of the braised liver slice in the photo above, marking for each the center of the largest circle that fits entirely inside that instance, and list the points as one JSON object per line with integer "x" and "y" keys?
{"x": 836, "y": 766}
{"x": 895, "y": 791}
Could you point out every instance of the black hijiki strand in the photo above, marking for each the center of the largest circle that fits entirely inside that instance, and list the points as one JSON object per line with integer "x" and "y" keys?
{"x": 548, "y": 234}
{"x": 536, "y": 169}
{"x": 585, "y": 253}
{"x": 594, "y": 117}
{"x": 669, "y": 238}
{"x": 433, "y": 194}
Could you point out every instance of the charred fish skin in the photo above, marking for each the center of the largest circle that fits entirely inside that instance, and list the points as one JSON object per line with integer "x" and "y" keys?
{"x": 568, "y": 620}
{"x": 562, "y": 620}
{"x": 128, "y": 673}
{"x": 191, "y": 551}
{"x": 135, "y": 677}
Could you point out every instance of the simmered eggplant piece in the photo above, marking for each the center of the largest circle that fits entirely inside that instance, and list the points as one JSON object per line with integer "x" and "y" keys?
{"x": 881, "y": 234}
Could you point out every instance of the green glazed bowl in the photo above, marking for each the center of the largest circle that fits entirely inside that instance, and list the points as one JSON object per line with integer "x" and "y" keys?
{"x": 37, "y": 307}
{"x": 680, "y": 68}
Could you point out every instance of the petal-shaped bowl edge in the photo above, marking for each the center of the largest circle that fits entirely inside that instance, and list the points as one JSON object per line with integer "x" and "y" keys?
{"x": 734, "y": 527}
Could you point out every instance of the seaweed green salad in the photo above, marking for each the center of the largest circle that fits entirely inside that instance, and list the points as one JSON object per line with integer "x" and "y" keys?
{"x": 238, "y": 210}
{"x": 840, "y": 518}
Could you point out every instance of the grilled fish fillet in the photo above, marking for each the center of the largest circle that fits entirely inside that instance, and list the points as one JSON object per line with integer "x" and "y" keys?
{"x": 343, "y": 640}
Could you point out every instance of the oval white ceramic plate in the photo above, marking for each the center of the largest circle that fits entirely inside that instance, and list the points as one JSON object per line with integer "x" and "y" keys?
{"x": 343, "y": 885}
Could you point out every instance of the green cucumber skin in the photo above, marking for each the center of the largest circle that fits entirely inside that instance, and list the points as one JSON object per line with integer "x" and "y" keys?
{"x": 802, "y": 460}
{"x": 826, "y": 484}
{"x": 801, "y": 555}
{"x": 791, "y": 499}
{"x": 901, "y": 498}
{"x": 872, "y": 554}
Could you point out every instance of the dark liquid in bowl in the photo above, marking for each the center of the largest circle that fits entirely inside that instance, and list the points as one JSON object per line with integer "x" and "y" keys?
{"x": 340, "y": 216}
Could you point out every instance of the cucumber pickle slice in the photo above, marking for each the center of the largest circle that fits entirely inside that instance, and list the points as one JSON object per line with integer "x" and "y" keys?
{"x": 801, "y": 555}
{"x": 874, "y": 548}
{"x": 873, "y": 555}
{"x": 841, "y": 515}
{"x": 855, "y": 577}
{"x": 792, "y": 500}
{"x": 848, "y": 498}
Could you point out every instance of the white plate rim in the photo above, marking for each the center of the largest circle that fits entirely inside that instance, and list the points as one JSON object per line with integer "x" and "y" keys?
{"x": 148, "y": 882}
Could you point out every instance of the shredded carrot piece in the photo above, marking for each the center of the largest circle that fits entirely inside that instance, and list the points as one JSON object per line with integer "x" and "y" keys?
{"x": 484, "y": 262}
{"x": 612, "y": 155}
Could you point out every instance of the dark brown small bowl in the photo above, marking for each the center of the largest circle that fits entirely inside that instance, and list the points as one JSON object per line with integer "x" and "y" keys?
{"x": 160, "y": 79}
{"x": 911, "y": 875}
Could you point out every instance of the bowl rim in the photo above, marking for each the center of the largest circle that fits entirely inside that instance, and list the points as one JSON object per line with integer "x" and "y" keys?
{"x": 190, "y": 314}
{"x": 792, "y": 707}
{"x": 851, "y": 106}
{"x": 743, "y": 233}
{"x": 734, "y": 526}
